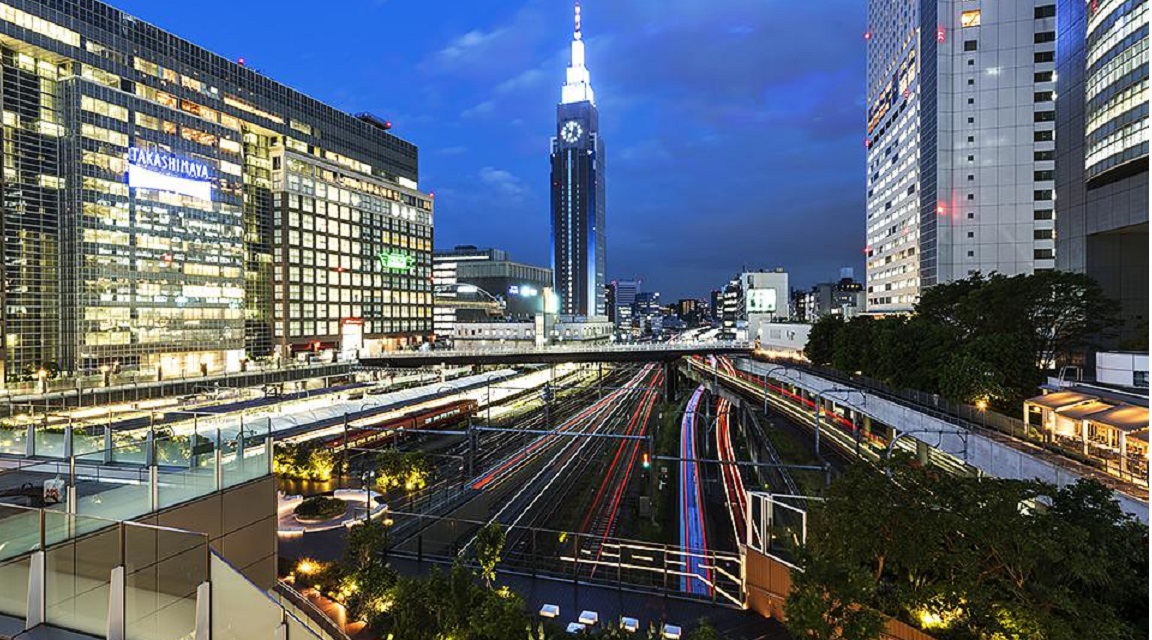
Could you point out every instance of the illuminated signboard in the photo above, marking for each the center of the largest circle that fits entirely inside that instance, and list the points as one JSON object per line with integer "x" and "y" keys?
{"x": 762, "y": 301}
{"x": 393, "y": 261}
{"x": 151, "y": 169}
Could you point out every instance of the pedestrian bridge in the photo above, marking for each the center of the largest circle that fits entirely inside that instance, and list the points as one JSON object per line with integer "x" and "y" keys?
{"x": 607, "y": 352}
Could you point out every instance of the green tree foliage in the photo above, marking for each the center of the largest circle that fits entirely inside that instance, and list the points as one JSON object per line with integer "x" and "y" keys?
{"x": 364, "y": 564}
{"x": 451, "y": 605}
{"x": 970, "y": 559}
{"x": 407, "y": 470}
{"x": 302, "y": 461}
{"x": 982, "y": 338}
{"x": 821, "y": 347}
{"x": 489, "y": 547}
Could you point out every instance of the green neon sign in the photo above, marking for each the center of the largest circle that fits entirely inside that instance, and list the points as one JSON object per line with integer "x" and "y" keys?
{"x": 396, "y": 261}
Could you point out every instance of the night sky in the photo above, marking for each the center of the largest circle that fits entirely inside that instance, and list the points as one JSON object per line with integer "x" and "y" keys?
{"x": 734, "y": 128}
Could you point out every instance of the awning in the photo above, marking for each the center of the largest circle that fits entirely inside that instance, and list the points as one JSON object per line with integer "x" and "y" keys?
{"x": 1060, "y": 399}
{"x": 1142, "y": 436}
{"x": 1085, "y": 410}
{"x": 1125, "y": 418}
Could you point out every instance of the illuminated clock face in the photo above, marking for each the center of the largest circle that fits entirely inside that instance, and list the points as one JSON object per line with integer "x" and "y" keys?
{"x": 571, "y": 131}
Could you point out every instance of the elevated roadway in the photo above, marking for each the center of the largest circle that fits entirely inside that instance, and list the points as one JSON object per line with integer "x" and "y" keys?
{"x": 632, "y": 352}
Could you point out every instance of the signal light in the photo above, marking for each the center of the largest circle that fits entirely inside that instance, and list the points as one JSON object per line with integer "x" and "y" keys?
{"x": 645, "y": 462}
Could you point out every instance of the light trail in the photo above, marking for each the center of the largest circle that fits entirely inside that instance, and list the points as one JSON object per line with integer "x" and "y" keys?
{"x": 603, "y": 413}
{"x": 693, "y": 537}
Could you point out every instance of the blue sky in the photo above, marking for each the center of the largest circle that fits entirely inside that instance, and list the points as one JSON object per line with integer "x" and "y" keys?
{"x": 734, "y": 128}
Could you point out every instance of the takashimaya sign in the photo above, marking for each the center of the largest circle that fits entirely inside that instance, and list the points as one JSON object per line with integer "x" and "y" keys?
{"x": 152, "y": 169}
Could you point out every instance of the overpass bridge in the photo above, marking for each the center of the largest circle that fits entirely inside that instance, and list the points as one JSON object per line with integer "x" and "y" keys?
{"x": 631, "y": 352}
{"x": 666, "y": 352}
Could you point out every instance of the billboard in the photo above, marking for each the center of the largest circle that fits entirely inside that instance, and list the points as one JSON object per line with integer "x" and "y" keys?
{"x": 150, "y": 169}
{"x": 761, "y": 301}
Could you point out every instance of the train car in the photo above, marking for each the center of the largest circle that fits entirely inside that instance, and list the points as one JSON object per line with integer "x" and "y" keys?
{"x": 430, "y": 418}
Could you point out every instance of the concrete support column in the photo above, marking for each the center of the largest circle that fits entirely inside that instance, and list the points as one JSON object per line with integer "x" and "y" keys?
{"x": 922, "y": 453}
{"x": 671, "y": 373}
{"x": 1123, "y": 453}
{"x": 866, "y": 427}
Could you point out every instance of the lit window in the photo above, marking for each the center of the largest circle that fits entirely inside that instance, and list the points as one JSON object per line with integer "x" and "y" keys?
{"x": 970, "y": 18}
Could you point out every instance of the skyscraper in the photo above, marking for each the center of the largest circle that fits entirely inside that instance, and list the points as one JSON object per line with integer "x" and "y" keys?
{"x": 960, "y": 139}
{"x": 578, "y": 238}
{"x": 1102, "y": 143}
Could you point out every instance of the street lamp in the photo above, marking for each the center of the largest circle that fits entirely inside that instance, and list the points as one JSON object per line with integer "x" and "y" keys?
{"x": 368, "y": 477}
{"x": 816, "y": 411}
{"x": 767, "y": 373}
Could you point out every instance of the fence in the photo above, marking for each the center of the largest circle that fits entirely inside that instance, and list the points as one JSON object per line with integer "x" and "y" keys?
{"x": 576, "y": 557}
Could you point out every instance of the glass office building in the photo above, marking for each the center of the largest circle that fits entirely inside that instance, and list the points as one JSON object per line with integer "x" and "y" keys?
{"x": 168, "y": 210}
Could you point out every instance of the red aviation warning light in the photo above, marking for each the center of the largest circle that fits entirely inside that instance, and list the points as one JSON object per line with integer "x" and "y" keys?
{"x": 940, "y": 34}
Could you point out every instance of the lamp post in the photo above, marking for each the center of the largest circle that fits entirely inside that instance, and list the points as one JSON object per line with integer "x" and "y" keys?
{"x": 767, "y": 373}
{"x": 816, "y": 410}
{"x": 368, "y": 477}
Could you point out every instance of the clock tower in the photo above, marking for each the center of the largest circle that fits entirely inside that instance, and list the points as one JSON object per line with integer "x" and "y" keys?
{"x": 578, "y": 238}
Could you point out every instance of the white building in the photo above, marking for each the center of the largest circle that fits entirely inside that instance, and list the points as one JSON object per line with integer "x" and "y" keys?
{"x": 766, "y": 298}
{"x": 556, "y": 329}
{"x": 960, "y": 139}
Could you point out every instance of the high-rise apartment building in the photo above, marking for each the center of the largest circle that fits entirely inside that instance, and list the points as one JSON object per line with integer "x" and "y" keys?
{"x": 1102, "y": 150}
{"x": 168, "y": 210}
{"x": 960, "y": 139}
{"x": 578, "y": 233}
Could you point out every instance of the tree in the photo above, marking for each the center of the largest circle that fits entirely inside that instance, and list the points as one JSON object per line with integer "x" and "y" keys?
{"x": 1066, "y": 311}
{"x": 489, "y": 547}
{"x": 371, "y": 578}
{"x": 821, "y": 346}
{"x": 303, "y": 461}
{"x": 968, "y": 558}
{"x": 401, "y": 469}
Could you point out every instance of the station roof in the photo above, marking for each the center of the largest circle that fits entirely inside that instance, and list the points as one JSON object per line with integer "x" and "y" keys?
{"x": 1124, "y": 418}
{"x": 1085, "y": 409}
{"x": 1061, "y": 399}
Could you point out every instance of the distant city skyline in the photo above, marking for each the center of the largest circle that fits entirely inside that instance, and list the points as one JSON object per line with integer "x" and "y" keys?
{"x": 735, "y": 125}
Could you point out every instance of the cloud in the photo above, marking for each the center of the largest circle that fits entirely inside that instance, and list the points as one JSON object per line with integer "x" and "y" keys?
{"x": 503, "y": 182}
{"x": 526, "y": 79}
{"x": 469, "y": 44}
{"x": 477, "y": 110}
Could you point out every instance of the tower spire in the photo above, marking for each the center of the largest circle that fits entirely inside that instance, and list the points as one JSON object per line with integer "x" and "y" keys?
{"x": 578, "y": 87}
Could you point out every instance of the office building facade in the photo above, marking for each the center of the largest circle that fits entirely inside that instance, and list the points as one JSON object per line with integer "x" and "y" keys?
{"x": 168, "y": 210}
{"x": 483, "y": 285}
{"x": 1102, "y": 154}
{"x": 623, "y": 298}
{"x": 960, "y": 143}
{"x": 577, "y": 193}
